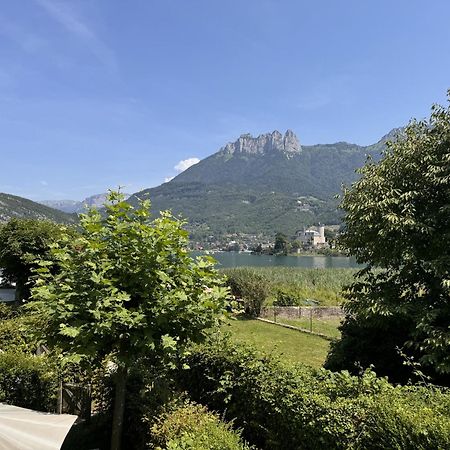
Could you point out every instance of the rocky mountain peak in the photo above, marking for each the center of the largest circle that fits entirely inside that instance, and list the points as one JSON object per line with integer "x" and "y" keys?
{"x": 265, "y": 144}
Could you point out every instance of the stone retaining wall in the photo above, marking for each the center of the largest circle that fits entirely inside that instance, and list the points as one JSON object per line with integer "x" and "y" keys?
{"x": 293, "y": 312}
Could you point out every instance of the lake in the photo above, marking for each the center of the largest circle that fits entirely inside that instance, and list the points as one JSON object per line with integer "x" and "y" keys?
{"x": 238, "y": 259}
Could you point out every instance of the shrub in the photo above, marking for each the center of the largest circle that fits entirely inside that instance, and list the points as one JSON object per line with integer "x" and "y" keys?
{"x": 286, "y": 298}
{"x": 8, "y": 311}
{"x": 373, "y": 343}
{"x": 250, "y": 286}
{"x": 300, "y": 408}
{"x": 192, "y": 426}
{"x": 16, "y": 333}
{"x": 28, "y": 381}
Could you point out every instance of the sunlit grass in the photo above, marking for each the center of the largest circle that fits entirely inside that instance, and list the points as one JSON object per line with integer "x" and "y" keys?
{"x": 290, "y": 345}
{"x": 327, "y": 325}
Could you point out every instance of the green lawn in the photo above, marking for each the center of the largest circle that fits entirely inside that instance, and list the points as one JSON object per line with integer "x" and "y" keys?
{"x": 290, "y": 345}
{"x": 328, "y": 326}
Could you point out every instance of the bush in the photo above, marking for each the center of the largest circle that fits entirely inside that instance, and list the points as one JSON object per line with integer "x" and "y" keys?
{"x": 8, "y": 311}
{"x": 250, "y": 286}
{"x": 28, "y": 381}
{"x": 366, "y": 343}
{"x": 286, "y": 298}
{"x": 300, "y": 408}
{"x": 17, "y": 333}
{"x": 192, "y": 426}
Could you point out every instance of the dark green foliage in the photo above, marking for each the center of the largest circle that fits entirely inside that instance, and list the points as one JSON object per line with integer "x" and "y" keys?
{"x": 251, "y": 287}
{"x": 188, "y": 426}
{"x": 371, "y": 342}
{"x": 282, "y": 244}
{"x": 397, "y": 218}
{"x": 22, "y": 241}
{"x": 12, "y": 206}
{"x": 148, "y": 389}
{"x": 301, "y": 408}
{"x": 28, "y": 381}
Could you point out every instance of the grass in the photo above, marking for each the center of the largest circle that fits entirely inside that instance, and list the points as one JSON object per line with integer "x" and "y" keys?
{"x": 328, "y": 325}
{"x": 290, "y": 345}
{"x": 323, "y": 285}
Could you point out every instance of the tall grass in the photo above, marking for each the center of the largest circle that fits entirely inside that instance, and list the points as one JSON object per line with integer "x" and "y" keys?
{"x": 322, "y": 285}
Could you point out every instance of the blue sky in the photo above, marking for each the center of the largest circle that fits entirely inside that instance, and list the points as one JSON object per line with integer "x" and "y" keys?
{"x": 97, "y": 93}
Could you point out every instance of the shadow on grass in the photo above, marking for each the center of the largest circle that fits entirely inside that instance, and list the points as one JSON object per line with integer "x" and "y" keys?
{"x": 244, "y": 317}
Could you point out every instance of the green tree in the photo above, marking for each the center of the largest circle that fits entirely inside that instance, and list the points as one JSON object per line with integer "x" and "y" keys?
{"x": 127, "y": 290}
{"x": 397, "y": 222}
{"x": 21, "y": 242}
{"x": 282, "y": 244}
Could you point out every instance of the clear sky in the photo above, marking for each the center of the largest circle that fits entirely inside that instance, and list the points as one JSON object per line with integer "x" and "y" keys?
{"x": 96, "y": 93}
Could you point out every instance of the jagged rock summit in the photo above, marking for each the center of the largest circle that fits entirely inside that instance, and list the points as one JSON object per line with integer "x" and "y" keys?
{"x": 265, "y": 144}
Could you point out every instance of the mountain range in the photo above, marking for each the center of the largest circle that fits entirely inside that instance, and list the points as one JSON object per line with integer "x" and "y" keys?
{"x": 74, "y": 206}
{"x": 262, "y": 185}
{"x": 12, "y": 206}
{"x": 253, "y": 186}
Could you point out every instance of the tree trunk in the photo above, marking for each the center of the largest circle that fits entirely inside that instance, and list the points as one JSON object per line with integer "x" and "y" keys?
{"x": 119, "y": 408}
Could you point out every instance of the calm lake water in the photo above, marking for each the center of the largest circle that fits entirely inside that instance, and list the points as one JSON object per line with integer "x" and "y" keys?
{"x": 235, "y": 259}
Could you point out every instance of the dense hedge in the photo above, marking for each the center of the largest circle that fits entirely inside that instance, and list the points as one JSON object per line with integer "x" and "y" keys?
{"x": 192, "y": 426}
{"x": 28, "y": 381}
{"x": 300, "y": 408}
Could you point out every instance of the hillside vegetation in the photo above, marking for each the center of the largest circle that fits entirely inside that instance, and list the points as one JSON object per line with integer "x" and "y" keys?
{"x": 13, "y": 206}
{"x": 262, "y": 185}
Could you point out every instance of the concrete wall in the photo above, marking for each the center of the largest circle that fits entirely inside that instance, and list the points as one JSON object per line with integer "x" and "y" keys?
{"x": 293, "y": 312}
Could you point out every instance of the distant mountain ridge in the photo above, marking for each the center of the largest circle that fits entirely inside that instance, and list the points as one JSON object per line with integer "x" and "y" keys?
{"x": 74, "y": 206}
{"x": 263, "y": 184}
{"x": 252, "y": 186}
{"x": 273, "y": 162}
{"x": 12, "y": 206}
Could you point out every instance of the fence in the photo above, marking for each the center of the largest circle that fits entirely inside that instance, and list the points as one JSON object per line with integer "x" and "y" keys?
{"x": 312, "y": 313}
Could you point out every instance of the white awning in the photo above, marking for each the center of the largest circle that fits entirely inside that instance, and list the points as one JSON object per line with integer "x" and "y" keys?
{"x": 25, "y": 429}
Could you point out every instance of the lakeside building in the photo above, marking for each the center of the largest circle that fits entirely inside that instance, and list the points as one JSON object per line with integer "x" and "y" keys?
{"x": 313, "y": 237}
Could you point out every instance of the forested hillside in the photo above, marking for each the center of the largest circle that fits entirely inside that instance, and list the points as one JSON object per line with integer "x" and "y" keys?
{"x": 14, "y": 206}
{"x": 262, "y": 185}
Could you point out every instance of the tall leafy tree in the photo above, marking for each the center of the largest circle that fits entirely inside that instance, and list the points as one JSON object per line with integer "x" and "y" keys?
{"x": 282, "y": 244}
{"x": 127, "y": 289}
{"x": 22, "y": 241}
{"x": 397, "y": 222}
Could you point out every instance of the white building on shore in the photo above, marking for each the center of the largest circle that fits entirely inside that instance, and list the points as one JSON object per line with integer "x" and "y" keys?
{"x": 313, "y": 237}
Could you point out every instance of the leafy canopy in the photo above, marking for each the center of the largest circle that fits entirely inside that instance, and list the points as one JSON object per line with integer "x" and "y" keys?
{"x": 21, "y": 242}
{"x": 127, "y": 288}
{"x": 397, "y": 218}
